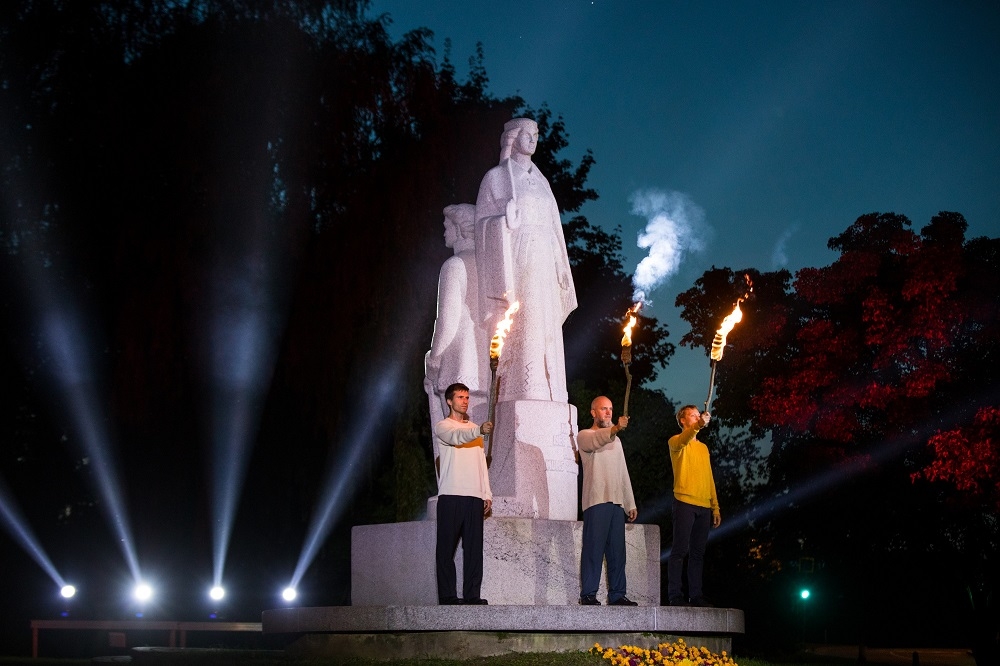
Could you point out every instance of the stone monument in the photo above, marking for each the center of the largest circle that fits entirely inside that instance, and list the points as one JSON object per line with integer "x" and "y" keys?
{"x": 521, "y": 256}
{"x": 532, "y": 541}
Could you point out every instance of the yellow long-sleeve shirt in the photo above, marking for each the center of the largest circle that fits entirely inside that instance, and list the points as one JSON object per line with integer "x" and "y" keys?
{"x": 692, "y": 465}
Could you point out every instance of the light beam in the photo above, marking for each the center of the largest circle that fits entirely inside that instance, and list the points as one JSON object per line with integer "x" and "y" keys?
{"x": 245, "y": 325}
{"x": 819, "y": 483}
{"x": 19, "y": 529}
{"x": 63, "y": 339}
{"x": 342, "y": 477}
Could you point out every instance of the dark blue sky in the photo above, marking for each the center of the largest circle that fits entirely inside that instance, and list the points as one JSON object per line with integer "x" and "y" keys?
{"x": 781, "y": 122}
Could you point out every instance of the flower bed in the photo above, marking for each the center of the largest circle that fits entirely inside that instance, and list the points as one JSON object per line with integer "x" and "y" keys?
{"x": 669, "y": 654}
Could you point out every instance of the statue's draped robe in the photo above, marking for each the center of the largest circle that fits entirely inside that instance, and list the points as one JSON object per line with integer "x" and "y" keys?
{"x": 524, "y": 259}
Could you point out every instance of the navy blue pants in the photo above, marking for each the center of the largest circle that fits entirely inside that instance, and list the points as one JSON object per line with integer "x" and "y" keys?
{"x": 603, "y": 537}
{"x": 691, "y": 526}
{"x": 459, "y": 517}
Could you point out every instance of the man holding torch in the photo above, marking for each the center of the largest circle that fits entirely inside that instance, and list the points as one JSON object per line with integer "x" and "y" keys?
{"x": 695, "y": 508}
{"x": 607, "y": 501}
{"x": 464, "y": 499}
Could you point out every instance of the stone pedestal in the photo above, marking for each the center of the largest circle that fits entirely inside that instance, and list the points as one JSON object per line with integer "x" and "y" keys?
{"x": 465, "y": 632}
{"x": 534, "y": 470}
{"x": 527, "y": 562}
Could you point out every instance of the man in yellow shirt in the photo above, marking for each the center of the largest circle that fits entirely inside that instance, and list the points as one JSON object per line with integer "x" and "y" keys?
{"x": 695, "y": 509}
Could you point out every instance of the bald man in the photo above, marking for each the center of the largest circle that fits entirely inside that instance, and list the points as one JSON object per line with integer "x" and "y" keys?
{"x": 607, "y": 502}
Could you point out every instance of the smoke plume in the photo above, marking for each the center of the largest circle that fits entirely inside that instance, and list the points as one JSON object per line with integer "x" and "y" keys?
{"x": 779, "y": 255}
{"x": 676, "y": 227}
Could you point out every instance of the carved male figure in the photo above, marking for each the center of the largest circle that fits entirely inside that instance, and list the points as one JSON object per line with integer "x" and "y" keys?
{"x": 458, "y": 348}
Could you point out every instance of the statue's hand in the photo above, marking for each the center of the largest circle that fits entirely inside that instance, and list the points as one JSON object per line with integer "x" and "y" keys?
{"x": 512, "y": 214}
{"x": 432, "y": 368}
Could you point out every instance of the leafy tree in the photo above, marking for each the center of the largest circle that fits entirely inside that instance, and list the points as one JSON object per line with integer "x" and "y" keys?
{"x": 854, "y": 370}
{"x": 967, "y": 456}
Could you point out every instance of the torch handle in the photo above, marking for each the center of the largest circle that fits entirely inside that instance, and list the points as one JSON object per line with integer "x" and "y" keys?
{"x": 711, "y": 386}
{"x": 491, "y": 415}
{"x": 628, "y": 389}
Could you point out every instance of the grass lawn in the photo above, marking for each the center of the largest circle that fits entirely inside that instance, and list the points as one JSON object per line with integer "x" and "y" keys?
{"x": 236, "y": 657}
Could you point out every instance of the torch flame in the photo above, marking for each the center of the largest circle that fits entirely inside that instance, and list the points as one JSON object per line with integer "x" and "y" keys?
{"x": 503, "y": 328}
{"x": 733, "y": 318}
{"x": 630, "y": 322}
{"x": 719, "y": 343}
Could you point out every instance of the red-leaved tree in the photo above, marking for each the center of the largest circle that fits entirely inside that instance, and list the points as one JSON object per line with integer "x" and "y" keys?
{"x": 873, "y": 381}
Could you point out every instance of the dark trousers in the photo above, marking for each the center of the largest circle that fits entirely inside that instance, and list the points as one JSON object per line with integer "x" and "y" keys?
{"x": 603, "y": 537}
{"x": 691, "y": 526}
{"x": 459, "y": 517}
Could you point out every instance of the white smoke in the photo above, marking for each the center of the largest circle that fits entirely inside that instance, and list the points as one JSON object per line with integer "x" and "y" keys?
{"x": 779, "y": 257}
{"x": 676, "y": 227}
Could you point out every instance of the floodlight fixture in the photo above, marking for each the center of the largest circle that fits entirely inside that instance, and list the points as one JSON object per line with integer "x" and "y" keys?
{"x": 67, "y": 591}
{"x": 289, "y": 594}
{"x": 217, "y": 592}
{"x": 143, "y": 592}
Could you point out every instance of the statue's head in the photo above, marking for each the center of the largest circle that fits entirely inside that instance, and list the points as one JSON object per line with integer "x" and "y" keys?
{"x": 512, "y": 129}
{"x": 459, "y": 222}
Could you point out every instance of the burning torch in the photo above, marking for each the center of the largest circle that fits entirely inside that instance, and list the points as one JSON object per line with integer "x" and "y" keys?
{"x": 630, "y": 321}
{"x": 719, "y": 343}
{"x": 496, "y": 346}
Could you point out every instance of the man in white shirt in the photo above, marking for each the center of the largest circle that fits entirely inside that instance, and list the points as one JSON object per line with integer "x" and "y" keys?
{"x": 607, "y": 502}
{"x": 464, "y": 499}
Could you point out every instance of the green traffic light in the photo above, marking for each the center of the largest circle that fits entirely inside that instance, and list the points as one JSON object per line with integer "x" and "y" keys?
{"x": 804, "y": 594}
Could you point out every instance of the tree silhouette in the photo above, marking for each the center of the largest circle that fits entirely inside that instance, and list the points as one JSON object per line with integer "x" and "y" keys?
{"x": 244, "y": 204}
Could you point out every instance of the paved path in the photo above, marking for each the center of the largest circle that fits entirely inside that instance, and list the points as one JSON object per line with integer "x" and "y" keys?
{"x": 899, "y": 656}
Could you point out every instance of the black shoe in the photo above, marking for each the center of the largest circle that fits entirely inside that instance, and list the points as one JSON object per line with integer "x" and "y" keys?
{"x": 589, "y": 600}
{"x": 702, "y": 602}
{"x": 476, "y": 602}
{"x": 451, "y": 601}
{"x": 678, "y": 601}
{"x": 622, "y": 601}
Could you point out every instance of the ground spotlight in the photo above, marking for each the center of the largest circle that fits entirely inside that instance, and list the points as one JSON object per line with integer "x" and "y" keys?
{"x": 143, "y": 592}
{"x": 289, "y": 594}
{"x": 67, "y": 591}
{"x": 216, "y": 593}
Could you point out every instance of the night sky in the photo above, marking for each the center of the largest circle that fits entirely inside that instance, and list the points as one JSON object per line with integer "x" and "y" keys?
{"x": 775, "y": 124}
{"x": 782, "y": 121}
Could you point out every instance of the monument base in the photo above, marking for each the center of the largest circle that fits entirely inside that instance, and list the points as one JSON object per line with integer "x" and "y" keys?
{"x": 470, "y": 631}
{"x": 526, "y": 562}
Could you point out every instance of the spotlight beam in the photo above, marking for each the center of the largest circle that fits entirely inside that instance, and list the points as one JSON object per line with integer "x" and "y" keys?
{"x": 341, "y": 479}
{"x": 16, "y": 525}
{"x": 63, "y": 340}
{"x": 835, "y": 475}
{"x": 246, "y": 320}
{"x": 64, "y": 348}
